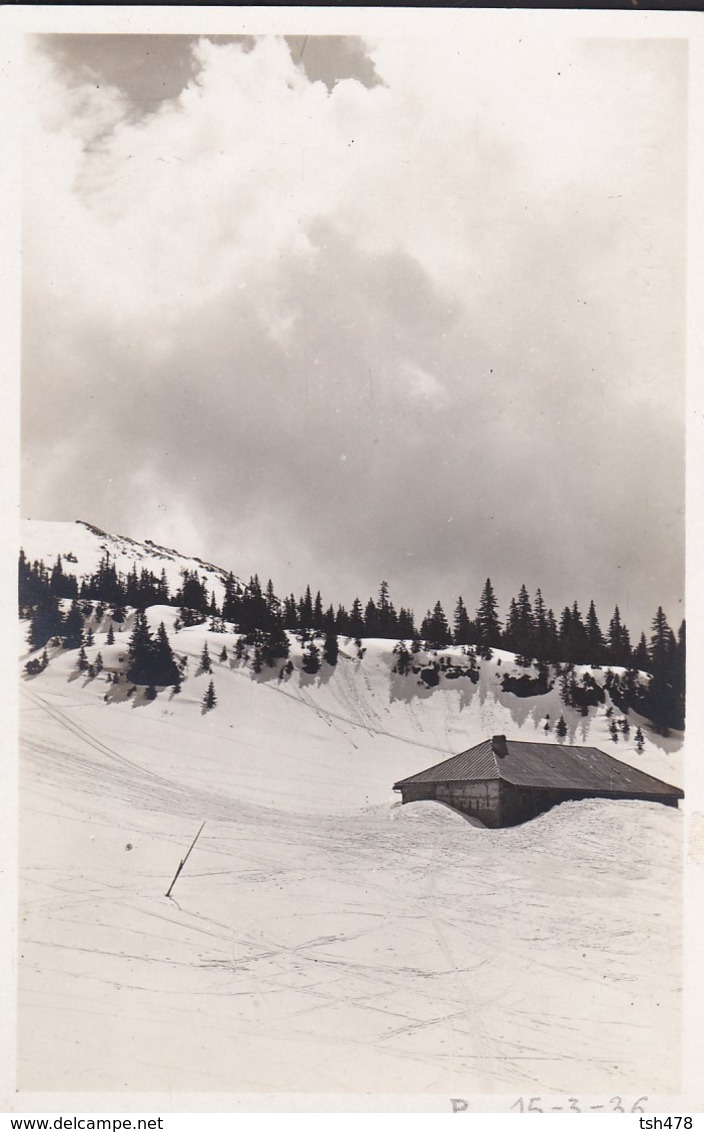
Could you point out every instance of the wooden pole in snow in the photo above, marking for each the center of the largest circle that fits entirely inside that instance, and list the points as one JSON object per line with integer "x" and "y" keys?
{"x": 182, "y": 863}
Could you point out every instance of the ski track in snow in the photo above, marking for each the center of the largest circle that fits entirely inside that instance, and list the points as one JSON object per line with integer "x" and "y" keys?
{"x": 375, "y": 949}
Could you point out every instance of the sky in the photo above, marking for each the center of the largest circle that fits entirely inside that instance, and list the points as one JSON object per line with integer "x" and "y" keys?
{"x": 342, "y": 309}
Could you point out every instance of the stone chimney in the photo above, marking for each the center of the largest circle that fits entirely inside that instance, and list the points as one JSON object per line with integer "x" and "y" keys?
{"x": 498, "y": 746}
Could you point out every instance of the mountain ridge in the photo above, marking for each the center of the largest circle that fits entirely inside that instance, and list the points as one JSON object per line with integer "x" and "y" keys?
{"x": 45, "y": 539}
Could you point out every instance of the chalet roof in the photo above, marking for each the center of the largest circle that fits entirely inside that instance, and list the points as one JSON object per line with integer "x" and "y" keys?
{"x": 544, "y": 765}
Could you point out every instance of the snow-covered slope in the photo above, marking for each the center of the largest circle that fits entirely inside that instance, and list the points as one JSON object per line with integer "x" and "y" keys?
{"x": 321, "y": 937}
{"x": 82, "y": 546}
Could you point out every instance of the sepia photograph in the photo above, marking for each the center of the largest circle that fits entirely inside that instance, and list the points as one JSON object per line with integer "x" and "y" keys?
{"x": 351, "y": 563}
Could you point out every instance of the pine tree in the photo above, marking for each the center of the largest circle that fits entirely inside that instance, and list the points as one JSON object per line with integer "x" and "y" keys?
{"x": 163, "y": 588}
{"x": 664, "y": 700}
{"x": 371, "y": 619}
{"x": 213, "y": 610}
{"x": 387, "y": 620}
{"x": 111, "y": 636}
{"x": 99, "y": 663}
{"x": 105, "y": 584}
{"x": 342, "y": 622}
{"x": 435, "y": 629}
{"x": 33, "y": 585}
{"x": 205, "y": 664}
{"x": 118, "y": 612}
{"x": 330, "y": 647}
{"x": 61, "y": 584}
{"x": 210, "y": 699}
{"x": 24, "y": 584}
{"x": 462, "y": 626}
{"x": 46, "y": 621}
{"x": 163, "y": 666}
{"x": 253, "y": 613}
{"x": 618, "y": 649}
{"x": 57, "y": 577}
{"x": 329, "y": 620}
{"x": 139, "y": 668}
{"x": 678, "y": 674}
{"x": 356, "y": 619}
{"x": 231, "y": 600}
{"x": 290, "y": 613}
{"x": 311, "y": 659}
{"x": 272, "y": 606}
{"x": 641, "y": 656}
{"x": 82, "y": 659}
{"x": 541, "y": 645}
{"x": 223, "y": 653}
{"x": 318, "y": 612}
{"x": 132, "y": 594}
{"x": 511, "y": 626}
{"x": 595, "y": 639}
{"x": 525, "y": 629}
{"x": 383, "y": 603}
{"x": 305, "y": 610}
{"x": 553, "y": 636}
{"x": 561, "y": 727}
{"x": 404, "y": 660}
{"x": 193, "y": 599}
{"x": 73, "y": 627}
{"x": 640, "y": 741}
{"x": 660, "y": 642}
{"x": 276, "y": 646}
{"x": 487, "y": 620}
{"x": 574, "y": 648}
{"x": 406, "y": 627}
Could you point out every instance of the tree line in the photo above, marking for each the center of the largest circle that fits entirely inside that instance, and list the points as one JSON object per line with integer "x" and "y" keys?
{"x": 531, "y": 629}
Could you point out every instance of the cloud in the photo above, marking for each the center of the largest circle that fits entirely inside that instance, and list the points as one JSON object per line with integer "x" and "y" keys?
{"x": 471, "y": 289}
{"x": 423, "y": 385}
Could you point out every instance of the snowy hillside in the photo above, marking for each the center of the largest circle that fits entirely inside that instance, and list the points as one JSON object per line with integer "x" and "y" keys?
{"x": 81, "y": 547}
{"x": 318, "y": 926}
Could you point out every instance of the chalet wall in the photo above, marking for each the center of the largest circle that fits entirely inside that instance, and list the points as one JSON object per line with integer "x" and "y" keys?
{"x": 480, "y": 799}
{"x": 417, "y": 792}
{"x": 521, "y": 803}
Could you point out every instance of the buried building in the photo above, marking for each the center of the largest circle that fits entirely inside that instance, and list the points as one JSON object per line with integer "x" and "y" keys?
{"x": 503, "y": 782}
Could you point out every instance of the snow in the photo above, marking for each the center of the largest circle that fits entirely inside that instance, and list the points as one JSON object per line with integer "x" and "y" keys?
{"x": 44, "y": 540}
{"x": 323, "y": 938}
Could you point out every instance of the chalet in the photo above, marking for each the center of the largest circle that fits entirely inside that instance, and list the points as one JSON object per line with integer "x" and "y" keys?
{"x": 503, "y": 782}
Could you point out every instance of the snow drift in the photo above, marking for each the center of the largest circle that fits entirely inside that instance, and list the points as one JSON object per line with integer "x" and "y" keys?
{"x": 322, "y": 937}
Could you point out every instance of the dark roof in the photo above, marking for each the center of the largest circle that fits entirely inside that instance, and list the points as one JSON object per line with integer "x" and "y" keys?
{"x": 544, "y": 765}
